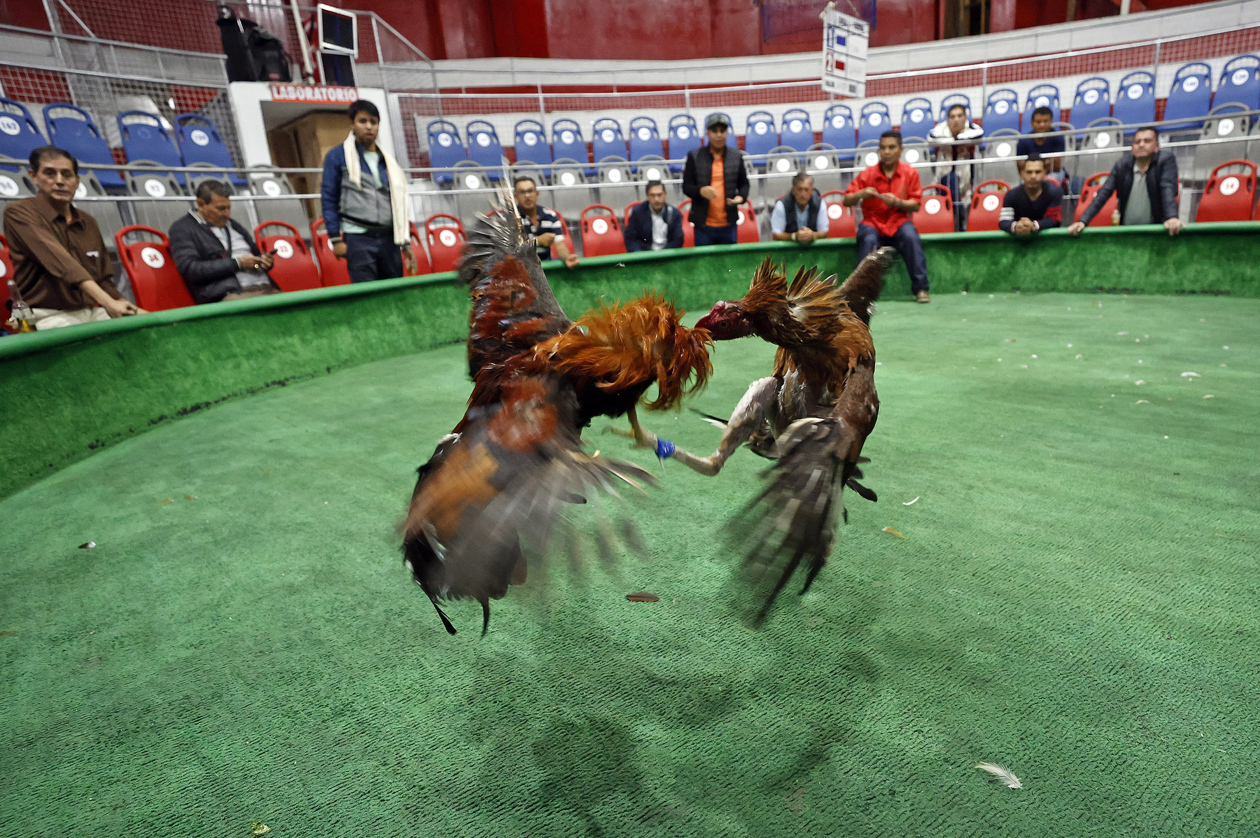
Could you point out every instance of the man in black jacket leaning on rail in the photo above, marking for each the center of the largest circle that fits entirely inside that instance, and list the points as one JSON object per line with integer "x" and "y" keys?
{"x": 1145, "y": 183}
{"x": 716, "y": 181}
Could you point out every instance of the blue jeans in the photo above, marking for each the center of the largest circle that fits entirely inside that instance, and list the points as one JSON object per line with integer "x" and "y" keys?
{"x": 372, "y": 257}
{"x": 714, "y": 235}
{"x": 907, "y": 242}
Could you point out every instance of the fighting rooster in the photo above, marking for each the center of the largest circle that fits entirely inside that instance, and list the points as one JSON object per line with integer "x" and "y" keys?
{"x": 812, "y": 415}
{"x": 491, "y": 495}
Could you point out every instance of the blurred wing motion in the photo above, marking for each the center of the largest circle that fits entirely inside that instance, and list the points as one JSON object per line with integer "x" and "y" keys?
{"x": 812, "y": 415}
{"x": 489, "y": 499}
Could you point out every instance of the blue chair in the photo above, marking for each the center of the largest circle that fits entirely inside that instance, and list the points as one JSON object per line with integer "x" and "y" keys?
{"x": 1093, "y": 101}
{"x": 684, "y": 135}
{"x": 200, "y": 142}
{"x": 955, "y": 99}
{"x": 531, "y": 144}
{"x": 1042, "y": 96}
{"x": 607, "y": 141}
{"x": 18, "y": 134}
{"x": 760, "y": 136}
{"x": 1001, "y": 111}
{"x": 70, "y": 127}
{"x": 645, "y": 140}
{"x": 839, "y": 131}
{"x": 1239, "y": 82}
{"x": 875, "y": 120}
{"x": 144, "y": 137}
{"x": 445, "y": 149}
{"x": 567, "y": 143}
{"x": 796, "y": 131}
{"x": 1190, "y": 97}
{"x": 916, "y": 118}
{"x": 1135, "y": 100}
{"x": 484, "y": 147}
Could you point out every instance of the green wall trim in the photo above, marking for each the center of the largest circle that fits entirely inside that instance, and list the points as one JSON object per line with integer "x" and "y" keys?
{"x": 68, "y": 392}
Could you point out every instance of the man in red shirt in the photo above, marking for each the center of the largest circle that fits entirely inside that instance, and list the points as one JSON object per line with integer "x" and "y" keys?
{"x": 889, "y": 192}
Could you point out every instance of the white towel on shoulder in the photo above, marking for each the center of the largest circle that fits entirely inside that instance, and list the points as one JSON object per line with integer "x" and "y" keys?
{"x": 397, "y": 186}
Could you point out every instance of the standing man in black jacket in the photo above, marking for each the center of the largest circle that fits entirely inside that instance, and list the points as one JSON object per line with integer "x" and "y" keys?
{"x": 716, "y": 181}
{"x": 216, "y": 256}
{"x": 1145, "y": 183}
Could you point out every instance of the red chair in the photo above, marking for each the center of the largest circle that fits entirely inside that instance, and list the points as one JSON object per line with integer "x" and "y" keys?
{"x": 565, "y": 225}
{"x": 423, "y": 265}
{"x": 746, "y": 231}
{"x": 689, "y": 229}
{"x": 1229, "y": 195}
{"x": 446, "y": 241}
{"x": 332, "y": 271}
{"x": 986, "y": 205}
{"x": 1088, "y": 190}
{"x": 154, "y": 279}
{"x": 629, "y": 207}
{"x": 294, "y": 270}
{"x": 841, "y": 222}
{"x": 6, "y": 267}
{"x": 601, "y": 232}
{"x": 936, "y": 210}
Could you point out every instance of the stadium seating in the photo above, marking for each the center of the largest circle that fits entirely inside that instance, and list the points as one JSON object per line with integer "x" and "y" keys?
{"x": 781, "y": 167}
{"x": 1239, "y": 82}
{"x": 914, "y": 151}
{"x": 746, "y": 230}
{"x": 1002, "y": 143}
{"x": 72, "y": 128}
{"x": 199, "y": 142}
{"x": 6, "y": 272}
{"x": 294, "y": 269}
{"x": 760, "y": 136}
{"x": 607, "y": 141}
{"x": 152, "y": 184}
{"x": 684, "y": 136}
{"x": 653, "y": 167}
{"x": 986, "y": 205}
{"x": 955, "y": 99}
{"x": 626, "y": 216}
{"x": 867, "y": 154}
{"x": 616, "y": 184}
{"x": 332, "y": 271}
{"x": 645, "y": 141}
{"x": 1135, "y": 100}
{"x": 569, "y": 192}
{"x": 839, "y": 130}
{"x": 423, "y": 265}
{"x": 18, "y": 134}
{"x": 106, "y": 212}
{"x": 1042, "y": 96}
{"x": 1230, "y": 193}
{"x": 820, "y": 162}
{"x": 1088, "y": 190}
{"x": 1092, "y": 102}
{"x": 1190, "y": 97}
{"x": 936, "y": 210}
{"x": 841, "y": 223}
{"x": 1223, "y": 122}
{"x": 1001, "y": 111}
{"x": 445, "y": 149}
{"x": 484, "y": 148}
{"x": 601, "y": 232}
{"x": 445, "y": 237}
{"x": 796, "y": 131}
{"x": 145, "y": 138}
{"x": 1101, "y": 144}
{"x": 567, "y": 143}
{"x": 875, "y": 120}
{"x": 531, "y": 145}
{"x": 916, "y": 118}
{"x": 271, "y": 185}
{"x": 565, "y": 226}
{"x": 155, "y": 282}
{"x": 689, "y": 229}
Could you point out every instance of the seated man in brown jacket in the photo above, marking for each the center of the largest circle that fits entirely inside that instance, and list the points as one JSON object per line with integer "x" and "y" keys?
{"x": 59, "y": 261}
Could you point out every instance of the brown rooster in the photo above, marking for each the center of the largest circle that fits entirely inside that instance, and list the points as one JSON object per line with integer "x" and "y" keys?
{"x": 491, "y": 495}
{"x": 812, "y": 415}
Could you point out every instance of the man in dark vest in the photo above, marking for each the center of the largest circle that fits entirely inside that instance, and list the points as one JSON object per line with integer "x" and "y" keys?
{"x": 716, "y": 181}
{"x": 802, "y": 216}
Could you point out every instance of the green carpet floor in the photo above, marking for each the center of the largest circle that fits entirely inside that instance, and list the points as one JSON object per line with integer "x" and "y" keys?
{"x": 1076, "y": 597}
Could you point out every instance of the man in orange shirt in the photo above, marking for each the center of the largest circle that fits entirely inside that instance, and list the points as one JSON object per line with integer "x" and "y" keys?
{"x": 889, "y": 192}
{"x": 716, "y": 180}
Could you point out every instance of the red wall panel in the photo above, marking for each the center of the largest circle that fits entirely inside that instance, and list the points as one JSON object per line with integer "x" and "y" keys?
{"x": 648, "y": 29}
{"x": 901, "y": 22}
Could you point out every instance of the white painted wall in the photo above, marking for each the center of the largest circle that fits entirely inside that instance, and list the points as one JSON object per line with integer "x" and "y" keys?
{"x": 247, "y": 98}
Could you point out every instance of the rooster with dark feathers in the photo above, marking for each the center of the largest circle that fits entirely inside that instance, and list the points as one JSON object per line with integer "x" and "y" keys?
{"x": 812, "y": 415}
{"x": 488, "y": 500}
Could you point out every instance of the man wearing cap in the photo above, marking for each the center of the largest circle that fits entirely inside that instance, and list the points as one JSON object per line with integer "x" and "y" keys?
{"x": 716, "y": 181}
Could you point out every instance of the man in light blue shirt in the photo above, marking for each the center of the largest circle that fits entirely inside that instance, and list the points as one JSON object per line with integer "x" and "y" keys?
{"x": 802, "y": 217}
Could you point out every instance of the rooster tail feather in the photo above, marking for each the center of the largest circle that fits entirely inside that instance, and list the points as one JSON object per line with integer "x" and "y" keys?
{"x": 865, "y": 284}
